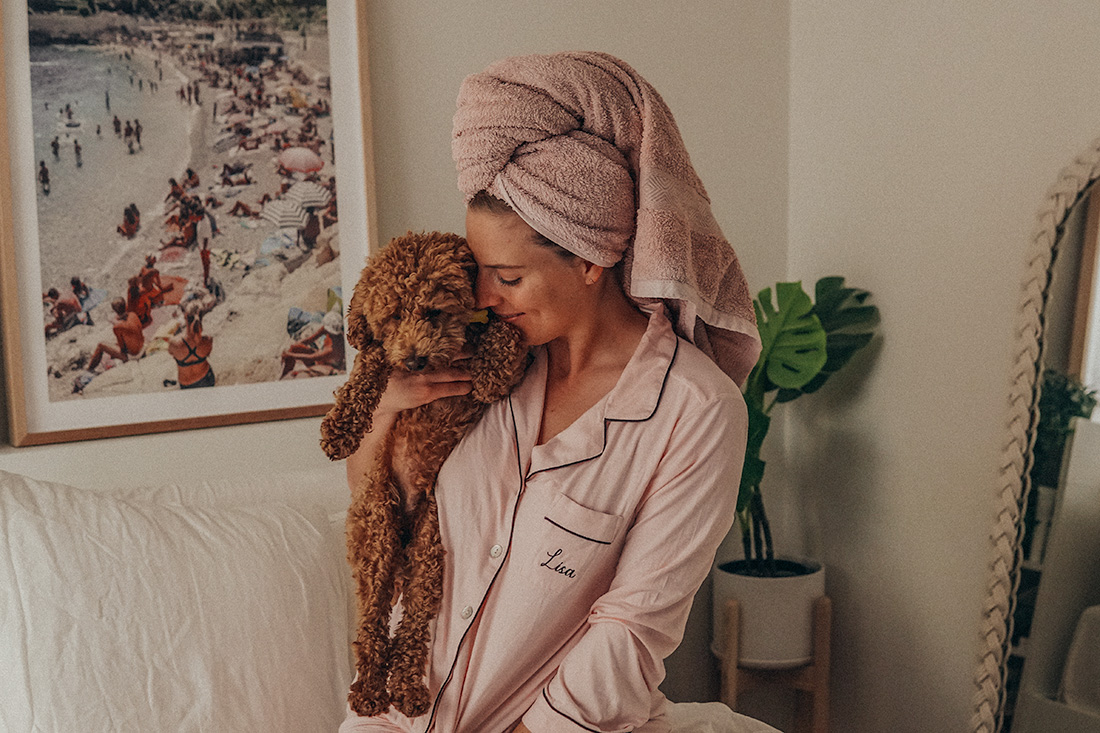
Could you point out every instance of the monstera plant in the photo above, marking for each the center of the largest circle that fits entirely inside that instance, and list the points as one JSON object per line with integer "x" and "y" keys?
{"x": 804, "y": 342}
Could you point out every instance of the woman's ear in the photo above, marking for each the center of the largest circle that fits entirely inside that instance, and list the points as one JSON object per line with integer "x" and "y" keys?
{"x": 592, "y": 272}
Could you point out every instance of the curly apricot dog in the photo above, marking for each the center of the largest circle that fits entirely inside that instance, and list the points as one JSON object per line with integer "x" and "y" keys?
{"x": 412, "y": 309}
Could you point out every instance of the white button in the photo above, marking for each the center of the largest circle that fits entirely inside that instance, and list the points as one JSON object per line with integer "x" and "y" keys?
{"x": 467, "y": 612}
{"x": 495, "y": 551}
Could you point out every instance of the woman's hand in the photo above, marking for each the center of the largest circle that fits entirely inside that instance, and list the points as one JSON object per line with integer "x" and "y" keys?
{"x": 404, "y": 391}
{"x": 407, "y": 390}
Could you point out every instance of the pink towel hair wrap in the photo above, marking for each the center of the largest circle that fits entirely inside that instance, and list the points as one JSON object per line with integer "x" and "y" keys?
{"x": 588, "y": 154}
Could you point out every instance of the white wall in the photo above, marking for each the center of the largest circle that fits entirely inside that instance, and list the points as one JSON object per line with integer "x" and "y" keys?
{"x": 722, "y": 68}
{"x": 923, "y": 138}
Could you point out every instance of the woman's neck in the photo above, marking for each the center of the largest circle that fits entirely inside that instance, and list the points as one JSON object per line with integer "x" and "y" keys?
{"x": 585, "y": 365}
{"x": 603, "y": 338}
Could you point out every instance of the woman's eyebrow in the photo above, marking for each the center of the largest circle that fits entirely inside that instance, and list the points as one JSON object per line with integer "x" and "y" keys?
{"x": 501, "y": 267}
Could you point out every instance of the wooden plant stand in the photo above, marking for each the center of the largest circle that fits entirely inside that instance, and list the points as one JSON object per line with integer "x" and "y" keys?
{"x": 810, "y": 681}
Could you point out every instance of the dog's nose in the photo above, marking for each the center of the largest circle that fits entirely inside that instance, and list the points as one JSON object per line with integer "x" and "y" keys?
{"x": 415, "y": 363}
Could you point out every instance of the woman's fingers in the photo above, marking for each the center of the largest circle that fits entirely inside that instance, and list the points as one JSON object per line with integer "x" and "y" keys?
{"x": 445, "y": 383}
{"x": 407, "y": 390}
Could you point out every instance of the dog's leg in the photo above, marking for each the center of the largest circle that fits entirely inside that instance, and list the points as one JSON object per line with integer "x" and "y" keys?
{"x": 351, "y": 416}
{"x": 423, "y": 593}
{"x": 498, "y": 362}
{"x": 437, "y": 429}
{"x": 373, "y": 551}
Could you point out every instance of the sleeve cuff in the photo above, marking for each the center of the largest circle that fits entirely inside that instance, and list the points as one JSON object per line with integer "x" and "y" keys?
{"x": 543, "y": 717}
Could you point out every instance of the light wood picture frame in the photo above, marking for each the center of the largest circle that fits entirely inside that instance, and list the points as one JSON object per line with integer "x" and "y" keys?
{"x": 224, "y": 99}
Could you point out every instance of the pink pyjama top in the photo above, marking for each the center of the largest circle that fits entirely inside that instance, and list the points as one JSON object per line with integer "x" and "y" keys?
{"x": 571, "y": 566}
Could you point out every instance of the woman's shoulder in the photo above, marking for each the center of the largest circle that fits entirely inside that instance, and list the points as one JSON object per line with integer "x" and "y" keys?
{"x": 695, "y": 378}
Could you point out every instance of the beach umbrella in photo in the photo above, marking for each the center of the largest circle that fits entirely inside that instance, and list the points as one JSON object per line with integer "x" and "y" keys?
{"x": 237, "y": 118}
{"x": 284, "y": 214}
{"x": 308, "y": 194}
{"x": 226, "y": 143}
{"x": 300, "y": 159}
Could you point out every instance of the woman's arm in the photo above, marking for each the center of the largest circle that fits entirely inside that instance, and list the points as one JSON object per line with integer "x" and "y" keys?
{"x": 404, "y": 391}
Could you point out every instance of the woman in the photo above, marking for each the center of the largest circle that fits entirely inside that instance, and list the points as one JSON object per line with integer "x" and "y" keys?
{"x": 191, "y": 350}
{"x": 581, "y": 514}
{"x": 138, "y": 301}
{"x": 128, "y": 335}
{"x": 320, "y": 352}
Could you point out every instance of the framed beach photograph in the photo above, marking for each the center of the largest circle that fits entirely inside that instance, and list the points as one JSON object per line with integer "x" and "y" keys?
{"x": 186, "y": 204}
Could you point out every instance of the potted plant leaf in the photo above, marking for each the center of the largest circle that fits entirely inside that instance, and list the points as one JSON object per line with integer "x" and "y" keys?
{"x": 803, "y": 343}
{"x": 1062, "y": 398}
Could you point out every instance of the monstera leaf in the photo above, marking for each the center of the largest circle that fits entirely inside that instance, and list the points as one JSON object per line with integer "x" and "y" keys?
{"x": 792, "y": 342}
{"x": 802, "y": 345}
{"x": 849, "y": 326}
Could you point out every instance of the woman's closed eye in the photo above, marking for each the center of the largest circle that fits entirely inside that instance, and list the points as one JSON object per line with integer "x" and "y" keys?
{"x": 509, "y": 283}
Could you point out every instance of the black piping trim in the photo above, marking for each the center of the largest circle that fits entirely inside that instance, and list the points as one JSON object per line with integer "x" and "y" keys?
{"x": 567, "y": 717}
{"x": 575, "y": 534}
{"x": 661, "y": 394}
{"x": 511, "y": 534}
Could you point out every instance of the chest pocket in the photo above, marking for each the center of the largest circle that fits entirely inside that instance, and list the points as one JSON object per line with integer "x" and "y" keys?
{"x": 574, "y": 540}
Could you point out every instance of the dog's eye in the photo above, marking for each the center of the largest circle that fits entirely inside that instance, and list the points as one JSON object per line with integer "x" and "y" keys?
{"x": 396, "y": 317}
{"x": 434, "y": 314}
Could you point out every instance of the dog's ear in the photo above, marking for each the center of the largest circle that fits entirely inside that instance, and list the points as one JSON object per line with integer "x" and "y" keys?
{"x": 344, "y": 426}
{"x": 466, "y": 259}
{"x": 359, "y": 333}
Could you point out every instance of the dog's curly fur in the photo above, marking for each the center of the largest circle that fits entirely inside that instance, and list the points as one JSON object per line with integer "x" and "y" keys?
{"x": 411, "y": 309}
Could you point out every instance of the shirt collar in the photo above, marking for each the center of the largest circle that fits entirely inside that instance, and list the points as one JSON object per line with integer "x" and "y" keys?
{"x": 634, "y": 398}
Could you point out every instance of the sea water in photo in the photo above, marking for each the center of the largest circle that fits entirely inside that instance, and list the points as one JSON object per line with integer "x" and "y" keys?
{"x": 78, "y": 220}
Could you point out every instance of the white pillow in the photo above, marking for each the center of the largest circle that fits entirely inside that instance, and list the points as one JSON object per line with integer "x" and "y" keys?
{"x": 128, "y": 615}
{"x": 326, "y": 487}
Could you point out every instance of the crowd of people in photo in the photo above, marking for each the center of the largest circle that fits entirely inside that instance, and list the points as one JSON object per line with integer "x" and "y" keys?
{"x": 258, "y": 108}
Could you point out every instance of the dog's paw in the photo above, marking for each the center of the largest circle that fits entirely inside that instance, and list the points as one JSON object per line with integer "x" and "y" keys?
{"x": 499, "y": 361}
{"x": 338, "y": 448}
{"x": 412, "y": 701}
{"x": 339, "y": 440}
{"x": 368, "y": 703}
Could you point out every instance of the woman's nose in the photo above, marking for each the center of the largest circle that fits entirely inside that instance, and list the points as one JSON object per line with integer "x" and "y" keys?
{"x": 485, "y": 295}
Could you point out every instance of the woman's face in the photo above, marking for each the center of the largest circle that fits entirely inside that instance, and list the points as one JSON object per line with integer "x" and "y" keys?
{"x": 524, "y": 283}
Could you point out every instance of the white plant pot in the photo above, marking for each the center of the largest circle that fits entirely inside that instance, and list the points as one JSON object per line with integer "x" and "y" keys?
{"x": 776, "y": 615}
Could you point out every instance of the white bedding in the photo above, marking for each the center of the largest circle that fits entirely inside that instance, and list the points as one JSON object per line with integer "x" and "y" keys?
{"x": 142, "y": 615}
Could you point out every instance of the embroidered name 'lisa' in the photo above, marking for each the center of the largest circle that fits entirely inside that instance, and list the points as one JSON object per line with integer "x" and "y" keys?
{"x": 560, "y": 567}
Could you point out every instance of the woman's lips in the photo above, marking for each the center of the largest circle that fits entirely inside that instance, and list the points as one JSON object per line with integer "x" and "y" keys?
{"x": 508, "y": 317}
